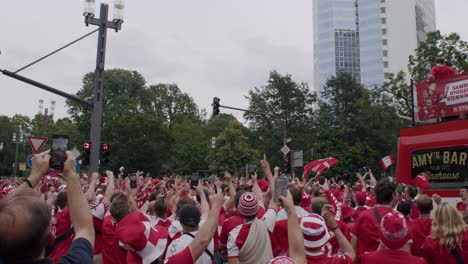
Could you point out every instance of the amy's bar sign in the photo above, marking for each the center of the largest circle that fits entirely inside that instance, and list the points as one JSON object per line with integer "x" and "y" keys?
{"x": 443, "y": 165}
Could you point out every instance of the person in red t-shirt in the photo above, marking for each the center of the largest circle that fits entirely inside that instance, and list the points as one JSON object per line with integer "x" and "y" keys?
{"x": 365, "y": 232}
{"x": 449, "y": 237}
{"x": 112, "y": 253}
{"x": 361, "y": 204}
{"x": 61, "y": 227}
{"x": 202, "y": 239}
{"x": 441, "y": 71}
{"x": 315, "y": 231}
{"x": 463, "y": 205}
{"x": 394, "y": 234}
{"x": 421, "y": 227}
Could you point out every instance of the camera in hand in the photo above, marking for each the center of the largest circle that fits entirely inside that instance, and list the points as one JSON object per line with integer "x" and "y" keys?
{"x": 133, "y": 180}
{"x": 252, "y": 169}
{"x": 60, "y": 144}
{"x": 194, "y": 178}
{"x": 363, "y": 170}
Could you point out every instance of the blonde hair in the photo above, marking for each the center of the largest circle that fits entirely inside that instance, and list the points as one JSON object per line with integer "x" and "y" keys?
{"x": 448, "y": 226}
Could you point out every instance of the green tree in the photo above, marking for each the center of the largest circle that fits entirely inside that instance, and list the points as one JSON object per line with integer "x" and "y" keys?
{"x": 356, "y": 126}
{"x": 293, "y": 105}
{"x": 189, "y": 147}
{"x": 169, "y": 103}
{"x": 233, "y": 151}
{"x": 450, "y": 47}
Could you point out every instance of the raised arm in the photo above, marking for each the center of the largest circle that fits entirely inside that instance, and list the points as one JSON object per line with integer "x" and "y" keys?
{"x": 295, "y": 237}
{"x": 92, "y": 187}
{"x": 345, "y": 246}
{"x": 204, "y": 206}
{"x": 79, "y": 210}
{"x": 110, "y": 186}
{"x": 207, "y": 230}
{"x": 40, "y": 167}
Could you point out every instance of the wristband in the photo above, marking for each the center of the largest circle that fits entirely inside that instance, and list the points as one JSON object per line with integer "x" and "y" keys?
{"x": 335, "y": 228}
{"x": 28, "y": 182}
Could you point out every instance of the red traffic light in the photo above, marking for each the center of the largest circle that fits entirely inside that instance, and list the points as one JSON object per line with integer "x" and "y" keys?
{"x": 87, "y": 145}
{"x": 216, "y": 100}
{"x": 105, "y": 147}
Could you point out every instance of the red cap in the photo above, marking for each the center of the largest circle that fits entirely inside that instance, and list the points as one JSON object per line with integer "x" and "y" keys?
{"x": 360, "y": 197}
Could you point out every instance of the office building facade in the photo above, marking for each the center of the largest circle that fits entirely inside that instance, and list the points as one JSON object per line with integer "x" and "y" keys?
{"x": 367, "y": 38}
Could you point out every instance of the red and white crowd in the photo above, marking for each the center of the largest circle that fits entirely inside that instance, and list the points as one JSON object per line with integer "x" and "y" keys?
{"x": 235, "y": 220}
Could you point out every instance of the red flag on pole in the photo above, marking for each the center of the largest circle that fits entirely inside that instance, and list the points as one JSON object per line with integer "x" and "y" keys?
{"x": 318, "y": 166}
{"x": 387, "y": 161}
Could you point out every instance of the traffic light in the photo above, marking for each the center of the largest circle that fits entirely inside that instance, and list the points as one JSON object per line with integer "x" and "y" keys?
{"x": 86, "y": 153}
{"x": 105, "y": 154}
{"x": 215, "y": 106}
{"x": 287, "y": 163}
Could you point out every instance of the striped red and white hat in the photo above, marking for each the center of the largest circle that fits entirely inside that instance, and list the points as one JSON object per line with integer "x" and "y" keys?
{"x": 394, "y": 232}
{"x": 248, "y": 205}
{"x": 282, "y": 260}
{"x": 315, "y": 231}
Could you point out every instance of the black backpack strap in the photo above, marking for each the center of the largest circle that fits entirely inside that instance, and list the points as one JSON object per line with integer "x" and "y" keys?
{"x": 376, "y": 213}
{"x": 457, "y": 256}
{"x": 58, "y": 240}
{"x": 206, "y": 250}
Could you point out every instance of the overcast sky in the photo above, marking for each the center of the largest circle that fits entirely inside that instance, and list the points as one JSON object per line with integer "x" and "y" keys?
{"x": 208, "y": 47}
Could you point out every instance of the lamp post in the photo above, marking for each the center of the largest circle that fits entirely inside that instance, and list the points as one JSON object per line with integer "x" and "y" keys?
{"x": 103, "y": 24}
{"x": 46, "y": 114}
{"x": 17, "y": 138}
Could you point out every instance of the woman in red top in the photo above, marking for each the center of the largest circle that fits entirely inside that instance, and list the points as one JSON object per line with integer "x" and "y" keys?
{"x": 448, "y": 243}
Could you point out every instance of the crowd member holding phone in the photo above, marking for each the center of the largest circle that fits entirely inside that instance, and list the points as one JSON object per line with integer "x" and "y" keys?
{"x": 26, "y": 219}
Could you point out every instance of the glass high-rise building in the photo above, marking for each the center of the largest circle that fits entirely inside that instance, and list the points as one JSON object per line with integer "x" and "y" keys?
{"x": 367, "y": 38}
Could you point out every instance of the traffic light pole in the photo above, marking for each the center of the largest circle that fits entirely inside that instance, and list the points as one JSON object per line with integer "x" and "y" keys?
{"x": 96, "y": 118}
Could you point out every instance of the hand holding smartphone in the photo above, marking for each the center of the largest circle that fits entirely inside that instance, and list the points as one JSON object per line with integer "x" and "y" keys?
{"x": 281, "y": 188}
{"x": 59, "y": 145}
{"x": 133, "y": 180}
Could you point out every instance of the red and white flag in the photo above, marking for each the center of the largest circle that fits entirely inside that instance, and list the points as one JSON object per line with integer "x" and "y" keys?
{"x": 386, "y": 162}
{"x": 143, "y": 242}
{"x": 319, "y": 166}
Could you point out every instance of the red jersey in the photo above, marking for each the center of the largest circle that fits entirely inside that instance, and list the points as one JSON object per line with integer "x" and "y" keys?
{"x": 61, "y": 225}
{"x": 358, "y": 211}
{"x": 461, "y": 206}
{"x": 228, "y": 226}
{"x": 414, "y": 214}
{"x": 112, "y": 253}
{"x": 441, "y": 71}
{"x": 325, "y": 259}
{"x": 389, "y": 256}
{"x": 366, "y": 229}
{"x": 185, "y": 256}
{"x": 433, "y": 253}
{"x": 421, "y": 228}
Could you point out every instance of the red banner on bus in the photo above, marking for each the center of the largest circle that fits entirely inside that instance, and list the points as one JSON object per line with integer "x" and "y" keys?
{"x": 441, "y": 98}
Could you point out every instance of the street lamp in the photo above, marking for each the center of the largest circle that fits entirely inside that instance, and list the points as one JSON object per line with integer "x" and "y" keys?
{"x": 98, "y": 94}
{"x": 17, "y": 138}
{"x": 46, "y": 114}
{"x": 89, "y": 8}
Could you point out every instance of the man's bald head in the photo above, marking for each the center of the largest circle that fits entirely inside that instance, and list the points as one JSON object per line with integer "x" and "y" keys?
{"x": 25, "y": 227}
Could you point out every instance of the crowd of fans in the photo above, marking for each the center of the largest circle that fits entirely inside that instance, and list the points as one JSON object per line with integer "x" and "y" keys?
{"x": 102, "y": 219}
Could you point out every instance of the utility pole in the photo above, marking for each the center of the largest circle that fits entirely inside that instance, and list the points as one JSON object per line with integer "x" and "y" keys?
{"x": 17, "y": 138}
{"x": 96, "y": 118}
{"x": 103, "y": 24}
